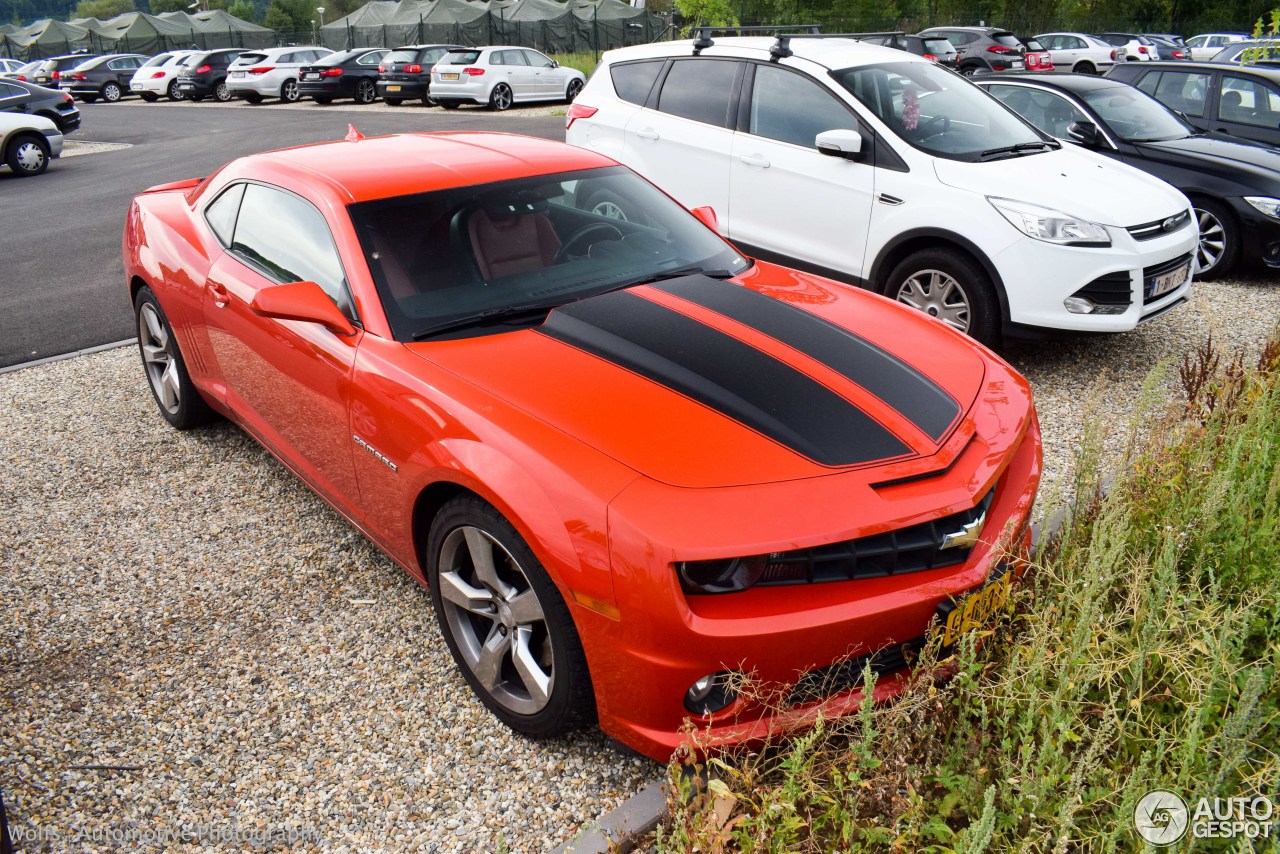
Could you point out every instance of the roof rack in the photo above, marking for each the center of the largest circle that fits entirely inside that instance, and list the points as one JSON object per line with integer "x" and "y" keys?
{"x": 781, "y": 48}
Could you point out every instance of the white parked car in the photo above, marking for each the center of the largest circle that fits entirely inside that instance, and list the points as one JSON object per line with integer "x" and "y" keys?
{"x": 28, "y": 143}
{"x": 271, "y": 73}
{"x": 9, "y": 66}
{"x": 1079, "y": 52}
{"x": 883, "y": 170}
{"x": 158, "y": 77}
{"x": 500, "y": 77}
{"x": 1204, "y": 46}
{"x": 1132, "y": 47}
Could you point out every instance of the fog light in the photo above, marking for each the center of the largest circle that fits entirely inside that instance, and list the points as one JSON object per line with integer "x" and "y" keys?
{"x": 1079, "y": 305}
{"x": 711, "y": 693}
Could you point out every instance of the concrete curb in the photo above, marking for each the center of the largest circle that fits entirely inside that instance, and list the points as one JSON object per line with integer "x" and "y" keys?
{"x": 615, "y": 830}
{"x": 85, "y": 352}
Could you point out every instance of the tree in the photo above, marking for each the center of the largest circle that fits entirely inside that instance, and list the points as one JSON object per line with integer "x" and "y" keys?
{"x": 243, "y": 10}
{"x": 712, "y": 13}
{"x": 103, "y": 9}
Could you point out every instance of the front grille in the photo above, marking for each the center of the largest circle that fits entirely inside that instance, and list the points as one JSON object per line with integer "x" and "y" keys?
{"x": 1150, "y": 274}
{"x": 913, "y": 549}
{"x": 847, "y": 675}
{"x": 1159, "y": 227}
{"x": 1111, "y": 289}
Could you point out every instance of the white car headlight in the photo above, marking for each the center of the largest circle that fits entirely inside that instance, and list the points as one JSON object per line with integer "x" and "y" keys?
{"x": 1266, "y": 204}
{"x": 1049, "y": 225}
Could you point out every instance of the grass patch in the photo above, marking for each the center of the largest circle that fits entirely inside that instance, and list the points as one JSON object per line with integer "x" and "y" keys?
{"x": 1141, "y": 654}
{"x": 584, "y": 62}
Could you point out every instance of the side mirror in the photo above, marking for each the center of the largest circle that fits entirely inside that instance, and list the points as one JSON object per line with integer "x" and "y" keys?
{"x": 840, "y": 143}
{"x": 555, "y": 64}
{"x": 1085, "y": 133}
{"x": 301, "y": 301}
{"x": 707, "y": 216}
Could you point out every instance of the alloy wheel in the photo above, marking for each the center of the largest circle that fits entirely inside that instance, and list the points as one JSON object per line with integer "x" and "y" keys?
{"x": 575, "y": 87}
{"x": 939, "y": 295}
{"x": 496, "y": 619}
{"x": 222, "y": 93}
{"x": 501, "y": 97}
{"x": 1213, "y": 241}
{"x": 157, "y": 358}
{"x": 111, "y": 93}
{"x": 289, "y": 92}
{"x": 365, "y": 92}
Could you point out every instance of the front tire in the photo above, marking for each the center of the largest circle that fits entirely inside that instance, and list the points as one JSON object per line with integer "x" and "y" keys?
{"x": 366, "y": 92}
{"x": 949, "y": 287}
{"x": 1219, "y": 246}
{"x": 174, "y": 93}
{"x": 28, "y": 155}
{"x": 501, "y": 98}
{"x": 177, "y": 397}
{"x": 505, "y": 622}
{"x": 289, "y": 91}
{"x": 575, "y": 86}
{"x": 222, "y": 93}
{"x": 111, "y": 92}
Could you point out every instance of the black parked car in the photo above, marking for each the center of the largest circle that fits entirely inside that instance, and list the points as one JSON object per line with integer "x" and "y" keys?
{"x": 1233, "y": 183}
{"x": 50, "y": 70}
{"x": 206, "y": 74}
{"x": 17, "y": 96}
{"x": 1239, "y": 100}
{"x": 105, "y": 77}
{"x": 405, "y": 73}
{"x": 936, "y": 48}
{"x": 346, "y": 74}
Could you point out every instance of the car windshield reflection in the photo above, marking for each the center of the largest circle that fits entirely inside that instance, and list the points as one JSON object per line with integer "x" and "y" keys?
{"x": 477, "y": 259}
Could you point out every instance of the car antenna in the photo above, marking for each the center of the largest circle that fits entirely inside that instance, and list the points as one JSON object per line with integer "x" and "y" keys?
{"x": 353, "y": 135}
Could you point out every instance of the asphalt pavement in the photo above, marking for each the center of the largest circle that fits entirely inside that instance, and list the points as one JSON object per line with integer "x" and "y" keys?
{"x": 61, "y": 278}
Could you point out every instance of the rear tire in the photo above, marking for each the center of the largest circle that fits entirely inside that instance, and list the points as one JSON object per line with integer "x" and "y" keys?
{"x": 501, "y": 98}
{"x": 27, "y": 155}
{"x": 366, "y": 92}
{"x": 289, "y": 92}
{"x": 951, "y": 288}
{"x": 1085, "y": 68}
{"x": 177, "y": 397}
{"x": 111, "y": 92}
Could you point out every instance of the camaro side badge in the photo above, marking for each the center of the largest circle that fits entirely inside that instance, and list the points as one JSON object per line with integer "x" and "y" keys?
{"x": 965, "y": 538}
{"x": 386, "y": 462}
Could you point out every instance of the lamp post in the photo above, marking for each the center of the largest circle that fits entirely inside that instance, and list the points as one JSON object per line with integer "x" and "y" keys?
{"x": 595, "y": 26}
{"x": 320, "y": 12}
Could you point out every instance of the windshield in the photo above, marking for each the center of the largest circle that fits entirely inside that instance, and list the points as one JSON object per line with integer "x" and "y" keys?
{"x": 339, "y": 57}
{"x": 158, "y": 59}
{"x": 1135, "y": 116}
{"x": 443, "y": 259}
{"x": 937, "y": 111}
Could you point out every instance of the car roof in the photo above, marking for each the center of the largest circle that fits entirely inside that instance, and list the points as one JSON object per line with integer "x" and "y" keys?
{"x": 1267, "y": 73}
{"x": 380, "y": 167}
{"x": 1065, "y": 81}
{"x": 829, "y": 52}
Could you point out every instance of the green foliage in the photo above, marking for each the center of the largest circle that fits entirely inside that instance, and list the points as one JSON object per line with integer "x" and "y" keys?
{"x": 103, "y": 9}
{"x": 244, "y": 10}
{"x": 715, "y": 13}
{"x": 1142, "y": 654}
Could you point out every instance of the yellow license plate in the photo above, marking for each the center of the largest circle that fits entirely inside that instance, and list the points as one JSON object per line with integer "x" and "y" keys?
{"x": 393, "y": 88}
{"x": 978, "y": 609}
{"x": 448, "y": 76}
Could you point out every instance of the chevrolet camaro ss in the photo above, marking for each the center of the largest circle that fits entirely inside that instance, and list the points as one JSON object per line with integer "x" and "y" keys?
{"x": 628, "y": 462}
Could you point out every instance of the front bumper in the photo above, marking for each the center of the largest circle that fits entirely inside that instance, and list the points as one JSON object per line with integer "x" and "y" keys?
{"x": 55, "y": 141}
{"x": 643, "y": 662}
{"x": 1259, "y": 234}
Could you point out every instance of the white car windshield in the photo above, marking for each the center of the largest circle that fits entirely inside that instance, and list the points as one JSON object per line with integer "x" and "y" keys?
{"x": 937, "y": 111}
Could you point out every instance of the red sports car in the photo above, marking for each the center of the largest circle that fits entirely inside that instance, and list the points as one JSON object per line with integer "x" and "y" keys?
{"x": 628, "y": 461}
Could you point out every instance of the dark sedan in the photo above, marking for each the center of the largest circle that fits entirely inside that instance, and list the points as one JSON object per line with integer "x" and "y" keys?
{"x": 205, "y": 74}
{"x": 49, "y": 71}
{"x": 106, "y": 77}
{"x": 1239, "y": 100}
{"x": 346, "y": 74}
{"x": 1233, "y": 184}
{"x": 405, "y": 73}
{"x": 17, "y": 96}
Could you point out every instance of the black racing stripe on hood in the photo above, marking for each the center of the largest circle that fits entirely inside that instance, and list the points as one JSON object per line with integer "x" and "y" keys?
{"x": 724, "y": 374}
{"x": 918, "y": 398}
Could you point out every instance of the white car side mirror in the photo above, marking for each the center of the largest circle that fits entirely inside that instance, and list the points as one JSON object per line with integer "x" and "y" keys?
{"x": 840, "y": 143}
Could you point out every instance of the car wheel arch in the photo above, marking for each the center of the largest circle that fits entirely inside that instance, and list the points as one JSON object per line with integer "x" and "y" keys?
{"x": 914, "y": 240}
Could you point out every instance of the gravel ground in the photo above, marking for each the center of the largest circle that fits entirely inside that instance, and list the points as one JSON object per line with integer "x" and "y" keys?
{"x": 179, "y": 608}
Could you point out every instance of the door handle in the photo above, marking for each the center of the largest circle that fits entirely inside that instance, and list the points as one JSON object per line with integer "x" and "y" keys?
{"x": 220, "y": 295}
{"x": 754, "y": 160}
{"x": 648, "y": 133}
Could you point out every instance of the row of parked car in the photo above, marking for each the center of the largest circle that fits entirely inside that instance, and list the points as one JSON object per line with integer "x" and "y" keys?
{"x": 448, "y": 75}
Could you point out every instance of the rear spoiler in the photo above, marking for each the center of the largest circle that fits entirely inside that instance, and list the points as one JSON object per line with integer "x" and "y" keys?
{"x": 188, "y": 184}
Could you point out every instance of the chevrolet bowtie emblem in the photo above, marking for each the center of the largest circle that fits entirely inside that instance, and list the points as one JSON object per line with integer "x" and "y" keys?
{"x": 966, "y": 537}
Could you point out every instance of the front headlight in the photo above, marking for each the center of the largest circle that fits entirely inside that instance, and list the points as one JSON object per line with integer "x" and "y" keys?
{"x": 1049, "y": 225}
{"x": 1265, "y": 204}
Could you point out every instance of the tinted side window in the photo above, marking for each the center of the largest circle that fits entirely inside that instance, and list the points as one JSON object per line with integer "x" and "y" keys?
{"x": 8, "y": 90}
{"x": 289, "y": 240}
{"x": 1183, "y": 91}
{"x": 633, "y": 80}
{"x": 221, "y": 215}
{"x": 1248, "y": 102}
{"x": 699, "y": 89}
{"x": 794, "y": 109}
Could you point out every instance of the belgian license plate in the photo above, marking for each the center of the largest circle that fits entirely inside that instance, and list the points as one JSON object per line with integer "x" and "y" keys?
{"x": 976, "y": 610}
{"x": 393, "y": 88}
{"x": 237, "y": 74}
{"x": 311, "y": 76}
{"x": 449, "y": 76}
{"x": 1015, "y": 64}
{"x": 1166, "y": 282}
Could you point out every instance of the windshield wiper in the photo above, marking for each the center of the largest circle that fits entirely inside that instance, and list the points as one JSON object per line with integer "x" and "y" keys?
{"x": 691, "y": 270}
{"x": 1019, "y": 148}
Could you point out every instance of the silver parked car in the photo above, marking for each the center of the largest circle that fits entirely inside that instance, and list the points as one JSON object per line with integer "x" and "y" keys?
{"x": 500, "y": 77}
{"x": 271, "y": 73}
{"x": 1079, "y": 52}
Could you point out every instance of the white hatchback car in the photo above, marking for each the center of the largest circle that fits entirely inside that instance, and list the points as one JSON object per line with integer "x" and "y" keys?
{"x": 883, "y": 170}
{"x": 271, "y": 73}
{"x": 158, "y": 76}
{"x": 500, "y": 77}
{"x": 28, "y": 143}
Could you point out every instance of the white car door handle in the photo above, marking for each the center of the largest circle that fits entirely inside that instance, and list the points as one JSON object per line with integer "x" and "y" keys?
{"x": 648, "y": 133}
{"x": 754, "y": 160}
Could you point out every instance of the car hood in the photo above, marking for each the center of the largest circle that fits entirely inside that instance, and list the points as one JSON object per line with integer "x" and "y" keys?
{"x": 1220, "y": 152}
{"x": 698, "y": 382}
{"x": 1072, "y": 180}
